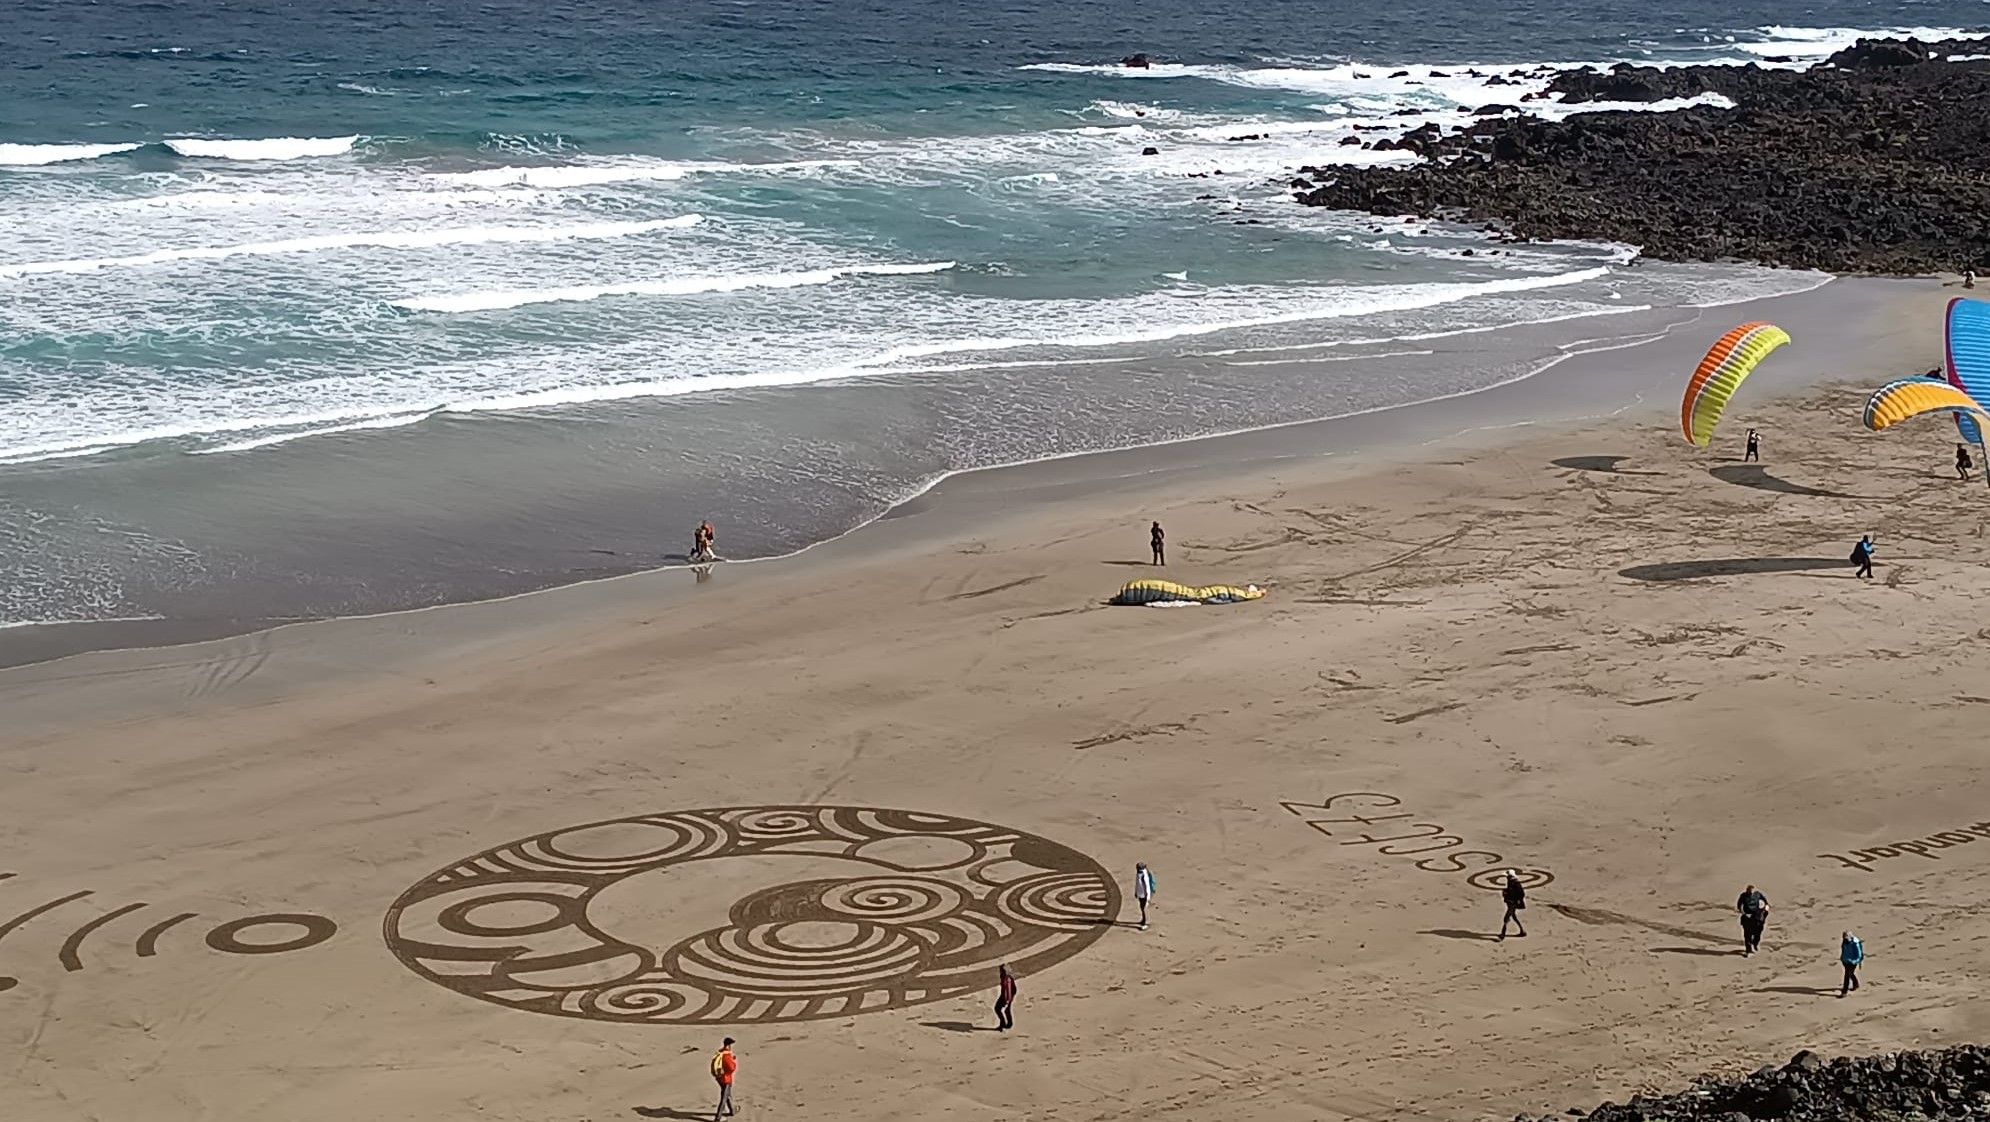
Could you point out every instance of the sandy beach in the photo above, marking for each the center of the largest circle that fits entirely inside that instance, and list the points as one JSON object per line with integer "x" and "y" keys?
{"x": 350, "y": 869}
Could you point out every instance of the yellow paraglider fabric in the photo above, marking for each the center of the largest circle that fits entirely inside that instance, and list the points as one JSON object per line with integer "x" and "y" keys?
{"x": 1732, "y": 359}
{"x": 1909, "y": 398}
{"x": 1161, "y": 591}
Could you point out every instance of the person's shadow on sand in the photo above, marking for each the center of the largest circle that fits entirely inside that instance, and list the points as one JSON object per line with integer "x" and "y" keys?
{"x": 1807, "y": 991}
{"x": 1758, "y": 477}
{"x": 668, "y": 1112}
{"x": 1454, "y": 933}
{"x": 1604, "y": 464}
{"x": 1711, "y": 952}
{"x": 1731, "y": 567}
{"x": 957, "y": 1026}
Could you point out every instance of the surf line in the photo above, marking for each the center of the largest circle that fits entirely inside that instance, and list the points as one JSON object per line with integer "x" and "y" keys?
{"x": 1862, "y": 859}
{"x": 1426, "y": 837}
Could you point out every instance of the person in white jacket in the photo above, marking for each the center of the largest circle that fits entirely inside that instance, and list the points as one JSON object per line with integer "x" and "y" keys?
{"x": 1143, "y": 889}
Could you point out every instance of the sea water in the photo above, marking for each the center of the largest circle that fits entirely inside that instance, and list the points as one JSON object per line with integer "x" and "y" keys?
{"x": 358, "y": 306}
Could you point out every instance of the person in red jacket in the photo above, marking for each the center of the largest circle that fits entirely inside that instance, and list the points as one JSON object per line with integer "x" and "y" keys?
{"x": 1004, "y": 1020}
{"x": 724, "y": 1066}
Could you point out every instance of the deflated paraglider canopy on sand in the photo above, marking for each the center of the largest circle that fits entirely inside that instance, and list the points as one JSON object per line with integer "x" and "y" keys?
{"x": 1163, "y": 592}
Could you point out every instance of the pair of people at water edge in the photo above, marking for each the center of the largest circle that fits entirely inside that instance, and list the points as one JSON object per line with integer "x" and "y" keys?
{"x": 703, "y": 541}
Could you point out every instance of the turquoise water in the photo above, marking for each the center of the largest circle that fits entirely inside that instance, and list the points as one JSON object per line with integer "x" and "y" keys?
{"x": 236, "y": 231}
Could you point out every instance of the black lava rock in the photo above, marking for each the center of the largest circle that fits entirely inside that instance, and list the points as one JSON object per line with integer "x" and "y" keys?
{"x": 1864, "y": 166}
{"x": 1950, "y": 1084}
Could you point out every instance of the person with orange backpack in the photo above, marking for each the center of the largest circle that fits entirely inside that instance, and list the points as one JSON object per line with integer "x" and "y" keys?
{"x": 724, "y": 1066}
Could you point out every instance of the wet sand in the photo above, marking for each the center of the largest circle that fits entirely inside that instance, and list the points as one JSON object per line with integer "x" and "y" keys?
{"x": 1640, "y": 673}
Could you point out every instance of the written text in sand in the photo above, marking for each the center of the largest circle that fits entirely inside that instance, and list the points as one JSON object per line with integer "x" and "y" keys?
{"x": 750, "y": 914}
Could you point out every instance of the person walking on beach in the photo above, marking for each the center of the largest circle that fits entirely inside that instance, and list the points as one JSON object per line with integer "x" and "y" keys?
{"x": 1862, "y": 556}
{"x": 1143, "y": 889}
{"x": 1962, "y": 461}
{"x": 1005, "y": 1000}
{"x": 725, "y": 1065}
{"x": 1754, "y": 909}
{"x": 1158, "y": 538}
{"x": 1754, "y": 453}
{"x": 1515, "y": 895}
{"x": 1851, "y": 954}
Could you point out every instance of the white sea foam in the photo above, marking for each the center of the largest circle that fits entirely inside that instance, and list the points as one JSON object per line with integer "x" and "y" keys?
{"x": 399, "y": 239}
{"x": 1322, "y": 304}
{"x": 596, "y": 175}
{"x": 373, "y": 91}
{"x": 36, "y": 155}
{"x": 676, "y": 286}
{"x": 1814, "y": 44}
{"x": 202, "y": 199}
{"x": 271, "y": 148}
{"x": 391, "y": 421}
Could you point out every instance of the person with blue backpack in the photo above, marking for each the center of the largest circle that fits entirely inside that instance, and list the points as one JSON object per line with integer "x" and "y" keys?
{"x": 1851, "y": 955}
{"x": 1143, "y": 889}
{"x": 1862, "y": 556}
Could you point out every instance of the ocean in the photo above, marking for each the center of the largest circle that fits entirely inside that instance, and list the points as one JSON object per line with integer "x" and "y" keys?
{"x": 348, "y": 307}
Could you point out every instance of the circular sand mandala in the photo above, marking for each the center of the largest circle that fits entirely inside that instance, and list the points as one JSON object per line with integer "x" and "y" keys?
{"x": 750, "y": 914}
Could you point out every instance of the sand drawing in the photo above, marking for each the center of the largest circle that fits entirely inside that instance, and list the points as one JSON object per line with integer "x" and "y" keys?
{"x": 750, "y": 914}
{"x": 230, "y": 937}
{"x": 1347, "y": 818}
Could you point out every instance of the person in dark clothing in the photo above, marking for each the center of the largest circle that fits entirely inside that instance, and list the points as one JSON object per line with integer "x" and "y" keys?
{"x": 1754, "y": 909}
{"x": 1962, "y": 461}
{"x": 1159, "y": 539}
{"x": 1851, "y": 955}
{"x": 1005, "y": 1000}
{"x": 1754, "y": 452}
{"x": 1515, "y": 895}
{"x": 1862, "y": 556}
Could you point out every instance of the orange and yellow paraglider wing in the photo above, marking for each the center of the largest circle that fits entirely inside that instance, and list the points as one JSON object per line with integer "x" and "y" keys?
{"x": 1732, "y": 359}
{"x": 1909, "y": 398}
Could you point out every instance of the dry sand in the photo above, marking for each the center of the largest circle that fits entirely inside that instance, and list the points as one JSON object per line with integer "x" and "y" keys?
{"x": 1640, "y": 672}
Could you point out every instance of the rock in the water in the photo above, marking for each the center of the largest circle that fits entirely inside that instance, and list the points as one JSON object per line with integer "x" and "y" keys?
{"x": 1136, "y": 62}
{"x": 1870, "y": 53}
{"x": 1150, "y": 150}
{"x": 1876, "y": 164}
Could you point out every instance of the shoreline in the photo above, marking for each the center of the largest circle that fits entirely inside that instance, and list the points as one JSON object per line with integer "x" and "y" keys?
{"x": 1639, "y": 671}
{"x": 1365, "y": 440}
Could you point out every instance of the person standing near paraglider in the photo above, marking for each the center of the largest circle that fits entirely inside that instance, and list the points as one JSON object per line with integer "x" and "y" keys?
{"x": 1862, "y": 556}
{"x": 1158, "y": 538}
{"x": 1962, "y": 461}
{"x": 1754, "y": 453}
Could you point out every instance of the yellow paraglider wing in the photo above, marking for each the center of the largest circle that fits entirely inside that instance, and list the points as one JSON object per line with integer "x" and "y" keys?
{"x": 1732, "y": 359}
{"x": 1909, "y": 398}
